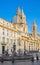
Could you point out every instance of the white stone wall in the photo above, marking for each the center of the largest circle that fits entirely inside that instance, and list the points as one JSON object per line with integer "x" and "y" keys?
{"x": 11, "y": 35}
{"x": 8, "y": 34}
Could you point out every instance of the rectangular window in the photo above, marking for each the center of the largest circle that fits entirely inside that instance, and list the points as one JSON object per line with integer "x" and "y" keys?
{"x": 7, "y": 32}
{"x": 11, "y": 40}
{"x": 7, "y": 40}
{"x": 3, "y": 31}
{"x": 3, "y": 39}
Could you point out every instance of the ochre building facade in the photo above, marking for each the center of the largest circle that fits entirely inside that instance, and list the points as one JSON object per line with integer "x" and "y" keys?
{"x": 14, "y": 36}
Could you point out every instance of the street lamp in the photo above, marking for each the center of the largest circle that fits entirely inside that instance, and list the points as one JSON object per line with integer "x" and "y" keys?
{"x": 14, "y": 48}
{"x": 29, "y": 46}
{"x": 24, "y": 48}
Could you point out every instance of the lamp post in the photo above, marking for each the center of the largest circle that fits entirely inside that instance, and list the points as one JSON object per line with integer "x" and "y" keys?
{"x": 29, "y": 43}
{"x": 29, "y": 47}
{"x": 19, "y": 47}
{"x": 24, "y": 48}
{"x": 14, "y": 48}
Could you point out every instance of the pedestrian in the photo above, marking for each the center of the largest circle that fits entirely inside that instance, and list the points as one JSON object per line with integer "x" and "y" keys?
{"x": 12, "y": 60}
{"x": 32, "y": 59}
{"x": 37, "y": 57}
{"x": 2, "y": 60}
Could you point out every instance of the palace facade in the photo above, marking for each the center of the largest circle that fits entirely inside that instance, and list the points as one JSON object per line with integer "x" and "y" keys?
{"x": 14, "y": 36}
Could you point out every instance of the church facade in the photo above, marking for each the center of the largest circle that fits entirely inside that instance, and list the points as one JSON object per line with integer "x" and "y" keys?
{"x": 15, "y": 37}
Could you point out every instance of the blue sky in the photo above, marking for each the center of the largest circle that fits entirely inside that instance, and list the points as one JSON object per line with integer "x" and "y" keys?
{"x": 31, "y": 9}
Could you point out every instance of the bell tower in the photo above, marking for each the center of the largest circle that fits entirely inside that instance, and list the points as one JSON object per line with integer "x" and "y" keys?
{"x": 34, "y": 29}
{"x": 18, "y": 15}
{"x": 18, "y": 12}
{"x": 23, "y": 17}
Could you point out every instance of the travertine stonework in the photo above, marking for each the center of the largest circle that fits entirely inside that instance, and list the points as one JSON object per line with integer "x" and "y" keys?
{"x": 16, "y": 33}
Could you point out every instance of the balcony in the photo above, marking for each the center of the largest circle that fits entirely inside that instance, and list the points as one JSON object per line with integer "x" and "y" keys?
{"x": 3, "y": 43}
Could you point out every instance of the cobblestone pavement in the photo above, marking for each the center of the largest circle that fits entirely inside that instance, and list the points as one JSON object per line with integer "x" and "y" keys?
{"x": 22, "y": 62}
